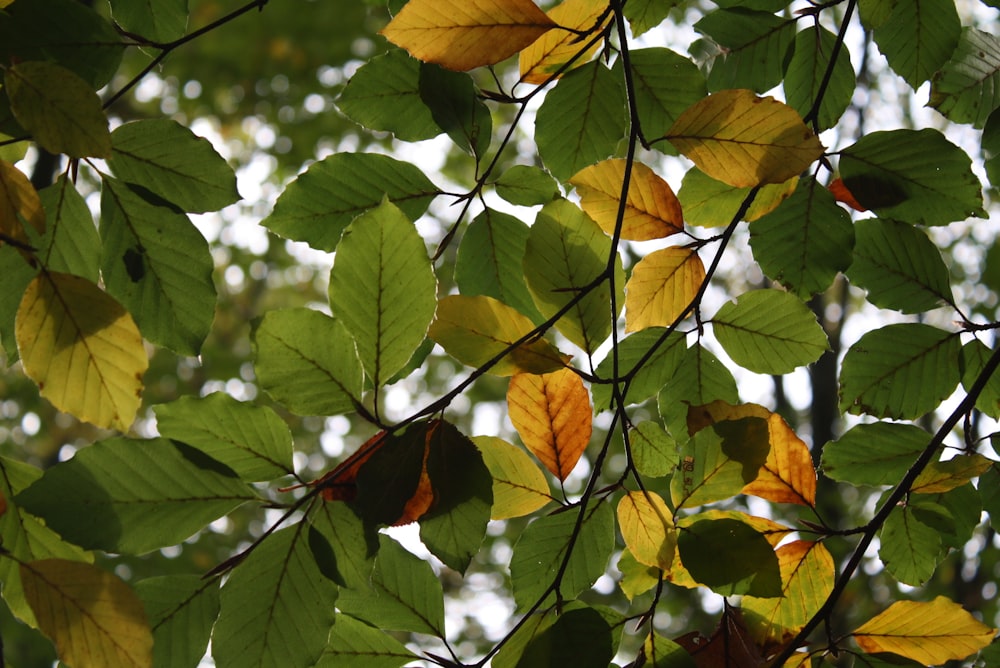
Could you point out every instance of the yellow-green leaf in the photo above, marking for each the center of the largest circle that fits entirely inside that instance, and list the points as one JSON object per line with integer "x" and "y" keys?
{"x": 462, "y": 35}
{"x": 947, "y": 475}
{"x": 647, "y": 526}
{"x": 551, "y": 413}
{"x": 59, "y": 109}
{"x": 82, "y": 349}
{"x": 546, "y": 55}
{"x": 474, "y": 330}
{"x": 744, "y": 140}
{"x": 807, "y": 575}
{"x": 652, "y": 211}
{"x": 928, "y": 633}
{"x": 18, "y": 200}
{"x": 661, "y": 287}
{"x": 519, "y": 486}
{"x": 95, "y": 619}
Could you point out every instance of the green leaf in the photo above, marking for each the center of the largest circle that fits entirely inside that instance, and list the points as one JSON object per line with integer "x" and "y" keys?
{"x": 654, "y": 452}
{"x": 277, "y": 608}
{"x": 874, "y": 454}
{"x": 989, "y": 491}
{"x": 66, "y": 31}
{"x": 699, "y": 380}
{"x": 383, "y": 289}
{"x": 719, "y": 461}
{"x": 454, "y": 526}
{"x": 566, "y": 251}
{"x": 59, "y": 109}
{"x": 874, "y": 13}
{"x": 756, "y": 572}
{"x": 900, "y": 371}
{"x": 491, "y": 258}
{"x": 900, "y": 267}
{"x": 643, "y": 15}
{"x": 581, "y": 120}
{"x": 306, "y": 360}
{"x": 181, "y": 610}
{"x": 384, "y": 94}
{"x": 356, "y": 644}
{"x": 916, "y": 176}
{"x": 975, "y": 353}
{"x": 806, "y": 71}
{"x": 161, "y": 21}
{"x": 17, "y": 276}
{"x": 166, "y": 158}
{"x": 657, "y": 371}
{"x": 710, "y": 203}
{"x": 408, "y": 594}
{"x": 918, "y": 37}
{"x": 991, "y": 148}
{"x": 666, "y": 84}
{"x": 526, "y": 185}
{"x": 805, "y": 242}
{"x": 769, "y": 331}
{"x": 71, "y": 243}
{"x": 955, "y": 514}
{"x": 756, "y": 44}
{"x": 580, "y": 638}
{"x": 131, "y": 496}
{"x": 318, "y": 205}
{"x": 158, "y": 265}
{"x": 251, "y": 440}
{"x": 353, "y": 544}
{"x": 541, "y": 549}
{"x": 455, "y": 107}
{"x": 967, "y": 88}
{"x": 909, "y": 548}
{"x": 26, "y": 538}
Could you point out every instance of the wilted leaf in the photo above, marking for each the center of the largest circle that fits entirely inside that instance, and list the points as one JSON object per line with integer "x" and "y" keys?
{"x": 651, "y": 208}
{"x": 462, "y": 36}
{"x": 82, "y": 349}
{"x": 930, "y": 633}
{"x": 744, "y": 140}
{"x": 551, "y": 413}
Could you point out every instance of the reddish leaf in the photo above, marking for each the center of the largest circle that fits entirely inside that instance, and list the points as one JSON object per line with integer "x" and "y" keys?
{"x": 842, "y": 194}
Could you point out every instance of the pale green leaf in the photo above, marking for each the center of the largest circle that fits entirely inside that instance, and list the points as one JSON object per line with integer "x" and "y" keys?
{"x": 358, "y": 645}
{"x": 909, "y": 548}
{"x": 383, "y": 289}
{"x": 711, "y": 203}
{"x": 666, "y": 84}
{"x": 654, "y": 452}
{"x": 526, "y": 185}
{"x": 71, "y": 243}
{"x": 699, "y": 379}
{"x": 654, "y": 373}
{"x": 719, "y": 461}
{"x": 769, "y": 331}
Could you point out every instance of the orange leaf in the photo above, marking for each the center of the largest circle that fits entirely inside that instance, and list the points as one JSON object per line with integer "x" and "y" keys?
{"x": 551, "y": 412}
{"x": 842, "y": 194}
{"x": 661, "y": 287}
{"x": 788, "y": 475}
{"x": 652, "y": 211}
{"x": 554, "y": 49}
{"x": 465, "y": 34}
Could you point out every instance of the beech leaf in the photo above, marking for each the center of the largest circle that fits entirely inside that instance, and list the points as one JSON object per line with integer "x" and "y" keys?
{"x": 662, "y": 287}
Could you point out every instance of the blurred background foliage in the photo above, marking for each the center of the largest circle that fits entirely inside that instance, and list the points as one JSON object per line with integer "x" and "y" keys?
{"x": 263, "y": 89}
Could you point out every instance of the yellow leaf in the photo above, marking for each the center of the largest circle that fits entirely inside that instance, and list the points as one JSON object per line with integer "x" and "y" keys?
{"x": 94, "y": 618}
{"x": 19, "y": 202}
{"x": 744, "y": 140}
{"x": 551, "y": 413}
{"x": 465, "y": 34}
{"x": 945, "y": 476}
{"x": 661, "y": 287}
{"x": 551, "y": 51}
{"x": 807, "y": 575}
{"x": 772, "y": 531}
{"x": 928, "y": 633}
{"x": 519, "y": 486}
{"x": 82, "y": 349}
{"x": 788, "y": 474}
{"x": 647, "y": 526}
{"x": 652, "y": 211}
{"x": 474, "y": 330}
